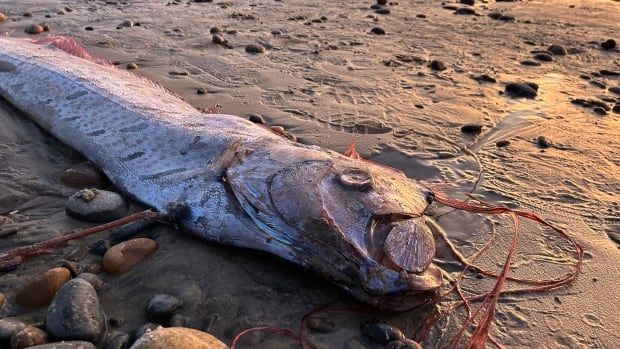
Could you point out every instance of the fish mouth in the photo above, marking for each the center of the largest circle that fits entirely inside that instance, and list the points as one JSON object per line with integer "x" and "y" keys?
{"x": 417, "y": 290}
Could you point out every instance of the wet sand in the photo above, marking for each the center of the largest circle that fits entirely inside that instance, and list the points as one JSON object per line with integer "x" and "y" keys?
{"x": 331, "y": 81}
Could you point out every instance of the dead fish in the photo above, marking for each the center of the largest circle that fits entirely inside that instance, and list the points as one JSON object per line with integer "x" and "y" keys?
{"x": 358, "y": 224}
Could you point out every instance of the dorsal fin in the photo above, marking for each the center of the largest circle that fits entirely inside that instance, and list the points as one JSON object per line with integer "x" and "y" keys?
{"x": 71, "y": 46}
{"x": 351, "y": 152}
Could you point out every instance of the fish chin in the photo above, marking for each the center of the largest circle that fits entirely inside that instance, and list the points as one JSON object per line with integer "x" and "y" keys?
{"x": 416, "y": 290}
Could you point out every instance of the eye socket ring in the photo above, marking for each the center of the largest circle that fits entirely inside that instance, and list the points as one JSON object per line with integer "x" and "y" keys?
{"x": 356, "y": 179}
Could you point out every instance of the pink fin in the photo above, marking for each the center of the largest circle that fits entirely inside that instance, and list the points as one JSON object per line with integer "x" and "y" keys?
{"x": 351, "y": 152}
{"x": 71, "y": 46}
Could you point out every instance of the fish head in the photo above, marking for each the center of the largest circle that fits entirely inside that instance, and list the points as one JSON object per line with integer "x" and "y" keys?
{"x": 357, "y": 223}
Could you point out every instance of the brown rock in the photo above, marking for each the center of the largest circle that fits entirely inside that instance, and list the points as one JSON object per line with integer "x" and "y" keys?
{"x": 34, "y": 29}
{"x": 41, "y": 291}
{"x": 124, "y": 256}
{"x": 83, "y": 175}
{"x": 178, "y": 338}
{"x": 2, "y": 17}
{"x": 27, "y": 337}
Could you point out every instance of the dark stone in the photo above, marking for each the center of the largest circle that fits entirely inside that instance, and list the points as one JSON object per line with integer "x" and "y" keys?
{"x": 100, "y": 247}
{"x": 471, "y": 128}
{"x": 383, "y": 11}
{"x": 128, "y": 231}
{"x": 608, "y": 44}
{"x": 377, "y": 31}
{"x": 95, "y": 205}
{"x": 616, "y": 109}
{"x": 75, "y": 313}
{"x": 545, "y": 57}
{"x": 467, "y": 2}
{"x": 465, "y": 11}
{"x": 437, "y": 65}
{"x": 507, "y": 18}
{"x": 84, "y": 175}
{"x": 530, "y": 63}
{"x": 403, "y": 344}
{"x": 598, "y": 84}
{"x": 615, "y": 89}
{"x": 381, "y": 333}
{"x": 214, "y": 30}
{"x": 34, "y": 29}
{"x": 382, "y": 2}
{"x": 116, "y": 321}
{"x": 519, "y": 89}
{"x": 557, "y": 50}
{"x": 502, "y": 143}
{"x": 484, "y": 78}
{"x": 256, "y": 118}
{"x": 89, "y": 28}
{"x": 255, "y": 48}
{"x": 543, "y": 142}
{"x": 494, "y": 15}
{"x": 218, "y": 40}
{"x": 599, "y": 111}
{"x": 609, "y": 72}
{"x": 162, "y": 306}
{"x": 201, "y": 91}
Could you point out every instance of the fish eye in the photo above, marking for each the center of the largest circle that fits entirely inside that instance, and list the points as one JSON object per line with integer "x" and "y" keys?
{"x": 356, "y": 179}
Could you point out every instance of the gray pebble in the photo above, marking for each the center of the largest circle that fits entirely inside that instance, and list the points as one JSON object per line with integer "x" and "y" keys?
{"x": 530, "y": 63}
{"x": 8, "y": 327}
{"x": 599, "y": 111}
{"x": 544, "y": 57}
{"x": 465, "y": 11}
{"x": 254, "y": 48}
{"x": 557, "y": 50}
{"x": 381, "y": 333}
{"x": 502, "y": 143}
{"x": 377, "y": 31}
{"x": 100, "y": 247}
{"x": 437, "y": 65}
{"x": 75, "y": 313}
{"x": 471, "y": 128}
{"x": 519, "y": 89}
{"x": 608, "y": 44}
{"x": 96, "y": 205}
{"x": 543, "y": 142}
{"x": 162, "y": 306}
{"x": 256, "y": 118}
{"x": 131, "y": 66}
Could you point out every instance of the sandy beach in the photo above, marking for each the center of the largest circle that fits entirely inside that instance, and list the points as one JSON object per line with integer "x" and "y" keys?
{"x": 324, "y": 73}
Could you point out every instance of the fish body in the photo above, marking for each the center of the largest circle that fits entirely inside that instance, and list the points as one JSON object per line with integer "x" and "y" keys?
{"x": 359, "y": 224}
